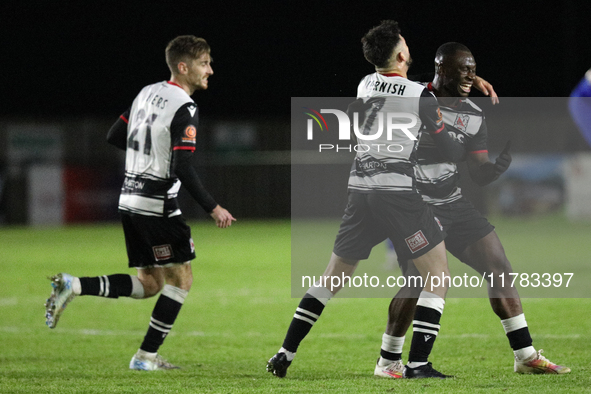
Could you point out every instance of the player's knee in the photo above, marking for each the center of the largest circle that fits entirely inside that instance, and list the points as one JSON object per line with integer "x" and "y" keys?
{"x": 499, "y": 264}
{"x": 152, "y": 286}
{"x": 180, "y": 277}
{"x": 186, "y": 283}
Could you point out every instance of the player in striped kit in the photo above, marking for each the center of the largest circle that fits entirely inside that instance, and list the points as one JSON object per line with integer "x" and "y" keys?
{"x": 470, "y": 237}
{"x": 383, "y": 199}
{"x": 158, "y": 134}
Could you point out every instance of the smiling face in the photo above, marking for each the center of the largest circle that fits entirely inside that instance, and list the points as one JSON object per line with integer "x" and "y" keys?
{"x": 198, "y": 72}
{"x": 458, "y": 73}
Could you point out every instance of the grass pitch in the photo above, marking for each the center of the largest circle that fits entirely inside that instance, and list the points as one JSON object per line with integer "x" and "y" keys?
{"x": 239, "y": 309}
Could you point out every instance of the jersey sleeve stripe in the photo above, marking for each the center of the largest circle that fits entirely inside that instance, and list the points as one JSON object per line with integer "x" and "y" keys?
{"x": 191, "y": 148}
{"x": 480, "y": 151}
{"x": 439, "y": 130}
{"x": 123, "y": 118}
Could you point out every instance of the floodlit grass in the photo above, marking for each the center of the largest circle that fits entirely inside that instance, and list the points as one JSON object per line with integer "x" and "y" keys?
{"x": 239, "y": 309}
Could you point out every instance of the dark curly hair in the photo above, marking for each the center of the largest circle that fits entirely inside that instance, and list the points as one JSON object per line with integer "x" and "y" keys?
{"x": 380, "y": 41}
{"x": 184, "y": 49}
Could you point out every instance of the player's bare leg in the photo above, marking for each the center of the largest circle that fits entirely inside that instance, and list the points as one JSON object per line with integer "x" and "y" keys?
{"x": 175, "y": 282}
{"x": 487, "y": 257}
{"x": 400, "y": 315}
{"x": 426, "y": 322}
{"x": 309, "y": 311}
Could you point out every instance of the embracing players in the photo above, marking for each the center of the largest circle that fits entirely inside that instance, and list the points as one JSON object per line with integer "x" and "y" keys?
{"x": 470, "y": 237}
{"x": 383, "y": 198}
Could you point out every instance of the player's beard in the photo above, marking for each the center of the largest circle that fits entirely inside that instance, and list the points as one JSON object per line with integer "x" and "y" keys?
{"x": 409, "y": 61}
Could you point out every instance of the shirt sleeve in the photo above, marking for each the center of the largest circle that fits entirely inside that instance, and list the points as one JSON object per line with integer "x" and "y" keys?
{"x": 117, "y": 134}
{"x": 183, "y": 128}
{"x": 190, "y": 180}
{"x": 430, "y": 113}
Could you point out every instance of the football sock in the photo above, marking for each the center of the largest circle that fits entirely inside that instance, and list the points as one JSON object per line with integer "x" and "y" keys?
{"x": 163, "y": 316}
{"x": 289, "y": 355}
{"x": 110, "y": 286}
{"x": 391, "y": 349}
{"x": 144, "y": 354}
{"x": 309, "y": 310}
{"x": 519, "y": 337}
{"x": 425, "y": 328}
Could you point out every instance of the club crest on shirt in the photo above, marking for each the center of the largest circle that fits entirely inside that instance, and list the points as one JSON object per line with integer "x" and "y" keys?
{"x": 417, "y": 241}
{"x": 162, "y": 252}
{"x": 461, "y": 122}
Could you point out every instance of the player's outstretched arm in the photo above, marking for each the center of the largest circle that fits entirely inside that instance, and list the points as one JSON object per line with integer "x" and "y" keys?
{"x": 482, "y": 171}
{"x": 222, "y": 217}
{"x": 487, "y": 89}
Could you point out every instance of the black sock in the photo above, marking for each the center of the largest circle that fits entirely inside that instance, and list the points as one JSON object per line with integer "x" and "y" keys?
{"x": 304, "y": 318}
{"x": 164, "y": 314}
{"x": 111, "y": 286}
{"x": 425, "y": 327}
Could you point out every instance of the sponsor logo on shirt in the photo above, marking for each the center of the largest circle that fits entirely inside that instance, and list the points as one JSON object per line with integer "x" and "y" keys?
{"x": 417, "y": 241}
{"x": 190, "y": 134}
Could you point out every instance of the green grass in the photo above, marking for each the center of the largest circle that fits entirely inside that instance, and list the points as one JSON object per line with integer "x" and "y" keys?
{"x": 239, "y": 309}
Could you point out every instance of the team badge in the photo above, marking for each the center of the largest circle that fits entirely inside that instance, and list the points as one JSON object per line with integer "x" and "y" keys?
{"x": 461, "y": 122}
{"x": 417, "y": 241}
{"x": 162, "y": 252}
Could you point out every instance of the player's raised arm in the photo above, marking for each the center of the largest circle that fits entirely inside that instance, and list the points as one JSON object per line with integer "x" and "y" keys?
{"x": 486, "y": 88}
{"x": 483, "y": 171}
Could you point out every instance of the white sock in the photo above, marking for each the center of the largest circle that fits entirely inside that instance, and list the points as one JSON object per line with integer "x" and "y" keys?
{"x": 415, "y": 364}
{"x": 76, "y": 287}
{"x": 390, "y": 344}
{"x": 526, "y": 352}
{"x": 137, "y": 289}
{"x": 320, "y": 292}
{"x": 143, "y": 354}
{"x": 515, "y": 323}
{"x": 290, "y": 356}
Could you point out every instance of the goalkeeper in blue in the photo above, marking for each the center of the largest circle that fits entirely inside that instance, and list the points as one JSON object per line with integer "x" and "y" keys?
{"x": 580, "y": 106}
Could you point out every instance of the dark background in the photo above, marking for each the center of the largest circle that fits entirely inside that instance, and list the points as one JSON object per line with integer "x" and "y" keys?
{"x": 78, "y": 65}
{"x": 78, "y": 58}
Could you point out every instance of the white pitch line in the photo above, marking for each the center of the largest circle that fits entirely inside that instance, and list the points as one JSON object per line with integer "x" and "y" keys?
{"x": 98, "y": 332}
{"x": 8, "y": 301}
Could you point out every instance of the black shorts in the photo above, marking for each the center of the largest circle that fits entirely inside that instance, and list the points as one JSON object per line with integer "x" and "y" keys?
{"x": 371, "y": 218}
{"x": 155, "y": 241}
{"x": 463, "y": 224}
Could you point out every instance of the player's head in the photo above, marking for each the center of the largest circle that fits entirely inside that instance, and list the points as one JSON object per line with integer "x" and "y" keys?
{"x": 455, "y": 68}
{"x": 188, "y": 58}
{"x": 385, "y": 48}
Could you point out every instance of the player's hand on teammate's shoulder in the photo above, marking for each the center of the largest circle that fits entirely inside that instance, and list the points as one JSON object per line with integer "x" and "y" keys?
{"x": 222, "y": 217}
{"x": 487, "y": 89}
